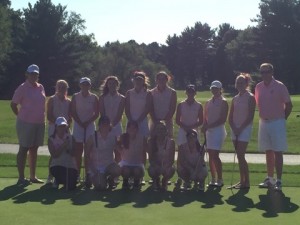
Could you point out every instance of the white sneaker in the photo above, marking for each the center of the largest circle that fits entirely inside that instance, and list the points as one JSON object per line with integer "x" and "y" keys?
{"x": 267, "y": 183}
{"x": 49, "y": 180}
{"x": 278, "y": 185}
{"x": 212, "y": 183}
{"x": 219, "y": 183}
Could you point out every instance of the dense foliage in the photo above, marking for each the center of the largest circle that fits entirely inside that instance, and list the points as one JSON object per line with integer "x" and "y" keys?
{"x": 55, "y": 39}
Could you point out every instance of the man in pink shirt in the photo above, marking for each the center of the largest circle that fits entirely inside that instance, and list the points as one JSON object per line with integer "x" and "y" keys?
{"x": 274, "y": 105}
{"x": 30, "y": 125}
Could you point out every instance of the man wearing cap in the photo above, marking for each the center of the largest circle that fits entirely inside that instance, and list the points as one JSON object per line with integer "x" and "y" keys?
{"x": 28, "y": 104}
{"x": 274, "y": 106}
{"x": 84, "y": 110}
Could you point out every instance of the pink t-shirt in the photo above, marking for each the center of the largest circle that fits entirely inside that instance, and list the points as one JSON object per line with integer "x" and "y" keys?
{"x": 241, "y": 108}
{"x": 271, "y": 100}
{"x": 32, "y": 102}
{"x": 213, "y": 108}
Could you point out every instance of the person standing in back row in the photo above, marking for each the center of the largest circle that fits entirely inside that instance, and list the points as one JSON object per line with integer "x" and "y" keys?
{"x": 241, "y": 115}
{"x": 84, "y": 110}
{"x": 30, "y": 125}
{"x": 215, "y": 115}
{"x": 274, "y": 106}
{"x": 164, "y": 102}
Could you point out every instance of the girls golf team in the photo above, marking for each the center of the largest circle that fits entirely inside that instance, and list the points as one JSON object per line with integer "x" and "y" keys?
{"x": 111, "y": 153}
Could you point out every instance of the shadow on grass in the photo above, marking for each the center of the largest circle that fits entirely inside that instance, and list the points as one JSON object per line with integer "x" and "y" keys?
{"x": 240, "y": 201}
{"x": 275, "y": 202}
{"x": 11, "y": 191}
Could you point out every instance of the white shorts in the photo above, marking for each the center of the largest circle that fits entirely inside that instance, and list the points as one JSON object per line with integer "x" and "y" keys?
{"x": 80, "y": 135}
{"x": 181, "y": 137}
{"x": 272, "y": 135}
{"x": 215, "y": 137}
{"x": 245, "y": 135}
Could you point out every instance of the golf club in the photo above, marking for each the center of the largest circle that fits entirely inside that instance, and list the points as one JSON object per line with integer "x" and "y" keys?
{"x": 233, "y": 166}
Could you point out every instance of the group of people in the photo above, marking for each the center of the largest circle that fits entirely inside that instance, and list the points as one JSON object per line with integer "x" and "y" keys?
{"x": 110, "y": 152}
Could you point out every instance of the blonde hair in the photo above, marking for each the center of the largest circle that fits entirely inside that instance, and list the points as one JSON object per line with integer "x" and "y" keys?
{"x": 247, "y": 78}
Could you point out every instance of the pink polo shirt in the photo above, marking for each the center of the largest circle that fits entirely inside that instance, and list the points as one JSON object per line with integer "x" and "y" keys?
{"x": 213, "y": 109}
{"x": 271, "y": 99}
{"x": 32, "y": 102}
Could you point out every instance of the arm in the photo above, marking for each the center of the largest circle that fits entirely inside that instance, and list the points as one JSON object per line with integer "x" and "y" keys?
{"x": 74, "y": 111}
{"x": 172, "y": 108}
{"x": 14, "y": 108}
{"x": 50, "y": 116}
{"x": 288, "y": 109}
{"x": 120, "y": 112}
{"x": 127, "y": 106}
{"x": 249, "y": 119}
{"x": 101, "y": 106}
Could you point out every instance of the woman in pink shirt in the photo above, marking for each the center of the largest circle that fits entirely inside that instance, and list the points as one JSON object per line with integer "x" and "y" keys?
{"x": 240, "y": 120}
{"x": 28, "y": 104}
{"x": 215, "y": 115}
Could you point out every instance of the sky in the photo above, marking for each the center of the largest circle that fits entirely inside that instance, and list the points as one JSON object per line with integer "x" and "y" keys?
{"x": 147, "y": 21}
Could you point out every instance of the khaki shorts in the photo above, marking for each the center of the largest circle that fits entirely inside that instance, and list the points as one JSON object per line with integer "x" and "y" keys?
{"x": 30, "y": 134}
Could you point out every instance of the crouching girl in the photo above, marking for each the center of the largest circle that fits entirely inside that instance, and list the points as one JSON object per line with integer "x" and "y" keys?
{"x": 63, "y": 164}
{"x": 161, "y": 152}
{"x": 191, "y": 166}
{"x": 132, "y": 147}
{"x": 100, "y": 150}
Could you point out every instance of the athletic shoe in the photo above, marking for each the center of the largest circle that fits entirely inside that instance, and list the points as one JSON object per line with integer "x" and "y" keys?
{"x": 278, "y": 185}
{"x": 55, "y": 184}
{"x": 49, "y": 180}
{"x": 219, "y": 183}
{"x": 267, "y": 183}
{"x": 186, "y": 185}
{"x": 23, "y": 182}
{"x": 211, "y": 183}
{"x": 36, "y": 181}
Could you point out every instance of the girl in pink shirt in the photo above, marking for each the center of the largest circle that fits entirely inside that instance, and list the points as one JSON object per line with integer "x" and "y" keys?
{"x": 215, "y": 114}
{"x": 240, "y": 120}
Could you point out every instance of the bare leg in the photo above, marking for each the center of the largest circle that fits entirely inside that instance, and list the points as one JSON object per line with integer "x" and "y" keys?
{"x": 21, "y": 161}
{"x": 243, "y": 165}
{"x": 278, "y": 164}
{"x": 270, "y": 159}
{"x": 32, "y": 158}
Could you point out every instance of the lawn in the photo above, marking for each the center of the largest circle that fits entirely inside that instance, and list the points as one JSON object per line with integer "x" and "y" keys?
{"x": 35, "y": 205}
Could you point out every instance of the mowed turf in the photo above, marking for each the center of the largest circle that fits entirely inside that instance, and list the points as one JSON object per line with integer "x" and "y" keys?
{"x": 34, "y": 205}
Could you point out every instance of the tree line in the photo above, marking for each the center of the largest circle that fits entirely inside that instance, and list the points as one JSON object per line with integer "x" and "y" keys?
{"x": 54, "y": 38}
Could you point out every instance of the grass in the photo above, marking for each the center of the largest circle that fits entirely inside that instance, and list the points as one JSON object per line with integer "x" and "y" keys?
{"x": 8, "y": 134}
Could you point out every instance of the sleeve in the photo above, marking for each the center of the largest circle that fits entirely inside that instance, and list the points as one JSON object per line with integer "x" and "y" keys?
{"x": 18, "y": 95}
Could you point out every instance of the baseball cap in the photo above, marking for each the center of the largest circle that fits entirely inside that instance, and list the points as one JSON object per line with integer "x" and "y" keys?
{"x": 85, "y": 79}
{"x": 216, "y": 84}
{"x": 33, "y": 69}
{"x": 61, "y": 121}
